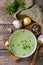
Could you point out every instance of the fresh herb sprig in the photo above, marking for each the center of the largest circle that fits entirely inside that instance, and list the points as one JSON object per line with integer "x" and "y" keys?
{"x": 21, "y": 4}
{"x": 14, "y": 6}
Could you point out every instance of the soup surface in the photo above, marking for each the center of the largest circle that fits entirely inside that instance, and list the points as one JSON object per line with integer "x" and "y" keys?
{"x": 22, "y": 43}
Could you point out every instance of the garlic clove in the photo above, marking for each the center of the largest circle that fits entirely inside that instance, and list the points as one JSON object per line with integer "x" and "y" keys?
{"x": 6, "y": 43}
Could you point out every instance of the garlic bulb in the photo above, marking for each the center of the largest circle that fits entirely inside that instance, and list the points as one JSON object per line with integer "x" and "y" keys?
{"x": 6, "y": 43}
{"x": 17, "y": 24}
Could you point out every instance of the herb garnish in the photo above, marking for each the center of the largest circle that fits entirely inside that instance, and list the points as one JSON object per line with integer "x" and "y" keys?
{"x": 32, "y": 45}
{"x": 12, "y": 44}
{"x": 24, "y": 44}
{"x": 18, "y": 45}
{"x": 23, "y": 31}
{"x": 29, "y": 40}
{"x": 23, "y": 54}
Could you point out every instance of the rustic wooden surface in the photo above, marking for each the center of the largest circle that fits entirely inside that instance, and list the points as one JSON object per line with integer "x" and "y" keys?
{"x": 5, "y": 59}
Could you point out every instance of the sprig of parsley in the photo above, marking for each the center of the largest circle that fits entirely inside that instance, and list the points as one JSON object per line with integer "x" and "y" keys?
{"x": 14, "y": 6}
{"x": 21, "y": 4}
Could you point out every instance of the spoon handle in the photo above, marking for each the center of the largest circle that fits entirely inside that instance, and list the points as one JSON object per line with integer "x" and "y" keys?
{"x": 33, "y": 60}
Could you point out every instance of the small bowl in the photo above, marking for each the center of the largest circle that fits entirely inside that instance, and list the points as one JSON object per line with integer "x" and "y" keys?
{"x": 32, "y": 36}
{"x": 36, "y": 29}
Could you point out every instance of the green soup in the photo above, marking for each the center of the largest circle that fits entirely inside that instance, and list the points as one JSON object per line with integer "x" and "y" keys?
{"x": 23, "y": 43}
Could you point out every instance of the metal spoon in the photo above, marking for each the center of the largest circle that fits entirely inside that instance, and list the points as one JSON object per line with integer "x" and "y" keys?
{"x": 40, "y": 41}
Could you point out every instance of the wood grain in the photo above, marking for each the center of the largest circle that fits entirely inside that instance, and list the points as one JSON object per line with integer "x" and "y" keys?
{"x": 5, "y": 58}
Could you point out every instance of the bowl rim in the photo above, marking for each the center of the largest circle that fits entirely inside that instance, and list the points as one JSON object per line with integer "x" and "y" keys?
{"x": 31, "y": 52}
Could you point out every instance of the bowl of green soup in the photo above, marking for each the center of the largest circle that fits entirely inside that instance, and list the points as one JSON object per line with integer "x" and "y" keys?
{"x": 23, "y": 43}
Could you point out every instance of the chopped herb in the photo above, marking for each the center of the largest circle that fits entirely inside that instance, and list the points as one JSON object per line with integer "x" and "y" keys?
{"x": 22, "y": 41}
{"x": 18, "y": 45}
{"x": 29, "y": 40}
{"x": 29, "y": 47}
{"x": 25, "y": 41}
{"x": 23, "y": 44}
{"x": 12, "y": 44}
{"x": 23, "y": 31}
{"x": 23, "y": 54}
{"x": 32, "y": 45}
{"x": 29, "y": 37}
{"x": 24, "y": 48}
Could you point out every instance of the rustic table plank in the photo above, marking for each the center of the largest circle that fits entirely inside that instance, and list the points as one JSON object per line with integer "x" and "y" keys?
{"x": 2, "y": 46}
{"x": 4, "y": 17}
{"x": 5, "y": 58}
{"x": 9, "y": 61}
{"x": 3, "y": 53}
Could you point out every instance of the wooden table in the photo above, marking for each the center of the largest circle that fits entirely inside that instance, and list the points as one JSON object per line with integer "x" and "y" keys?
{"x": 5, "y": 59}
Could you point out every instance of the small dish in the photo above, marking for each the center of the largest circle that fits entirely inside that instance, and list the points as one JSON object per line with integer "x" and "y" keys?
{"x": 36, "y": 29}
{"x": 23, "y": 43}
